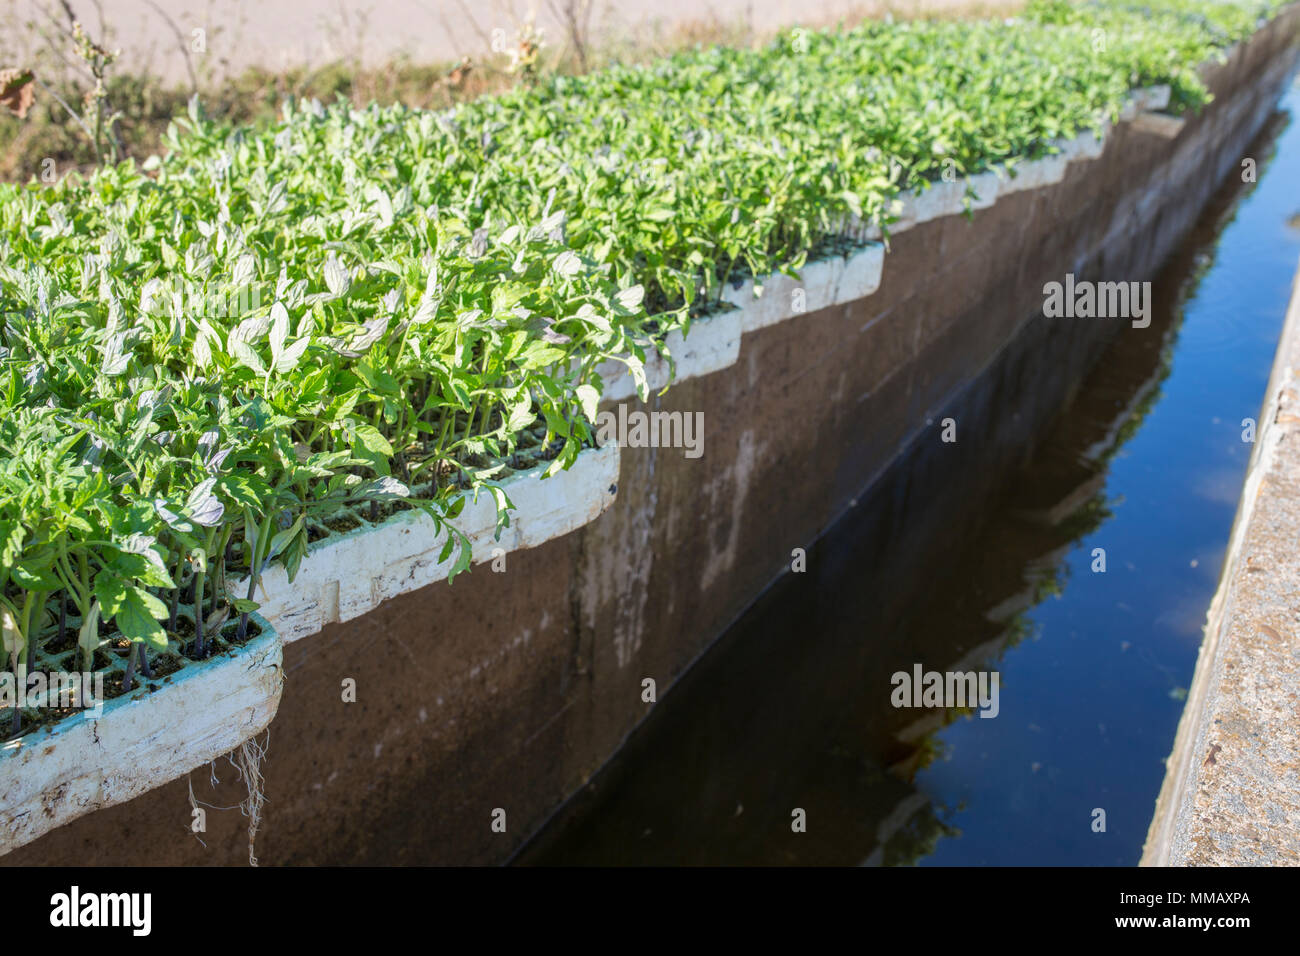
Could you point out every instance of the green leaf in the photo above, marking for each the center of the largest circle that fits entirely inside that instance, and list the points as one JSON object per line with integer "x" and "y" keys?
{"x": 336, "y": 277}
{"x": 371, "y": 446}
{"x": 630, "y": 299}
{"x": 282, "y": 538}
{"x": 520, "y": 414}
{"x": 246, "y": 357}
{"x": 137, "y": 618}
{"x": 32, "y": 577}
{"x": 279, "y": 329}
{"x": 14, "y": 641}
{"x": 111, "y": 590}
{"x": 385, "y": 488}
{"x": 567, "y": 264}
{"x": 117, "y": 358}
{"x": 287, "y": 360}
{"x": 140, "y": 562}
{"x": 203, "y": 339}
{"x": 204, "y": 507}
{"x": 540, "y": 356}
{"x": 12, "y": 535}
{"x": 590, "y": 399}
{"x": 88, "y": 633}
{"x": 245, "y": 268}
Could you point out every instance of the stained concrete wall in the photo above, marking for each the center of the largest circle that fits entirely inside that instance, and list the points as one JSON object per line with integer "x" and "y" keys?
{"x": 509, "y": 690}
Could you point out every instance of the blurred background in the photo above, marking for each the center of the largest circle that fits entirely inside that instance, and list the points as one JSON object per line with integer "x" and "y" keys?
{"x": 244, "y": 56}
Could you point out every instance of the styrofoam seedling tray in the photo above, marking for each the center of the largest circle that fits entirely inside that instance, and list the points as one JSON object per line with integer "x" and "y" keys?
{"x": 347, "y": 574}
{"x": 949, "y": 199}
{"x": 339, "y": 580}
{"x": 1159, "y": 124}
{"x": 1142, "y": 106}
{"x": 1150, "y": 99}
{"x": 712, "y": 344}
{"x": 1033, "y": 174}
{"x": 836, "y": 280}
{"x": 163, "y": 729}
{"x": 831, "y": 281}
{"x": 44, "y": 660}
{"x": 359, "y": 514}
{"x": 714, "y": 340}
{"x": 936, "y": 200}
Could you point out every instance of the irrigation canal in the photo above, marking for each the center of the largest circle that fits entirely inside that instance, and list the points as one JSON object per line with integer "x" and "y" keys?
{"x": 792, "y": 708}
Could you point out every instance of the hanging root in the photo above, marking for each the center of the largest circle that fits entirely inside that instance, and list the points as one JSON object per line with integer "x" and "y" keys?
{"x": 247, "y": 760}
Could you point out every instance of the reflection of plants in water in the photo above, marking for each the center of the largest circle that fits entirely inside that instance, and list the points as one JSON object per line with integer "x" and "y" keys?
{"x": 1154, "y": 390}
{"x": 1191, "y": 273}
{"x": 1090, "y": 516}
{"x": 1018, "y": 628}
{"x": 917, "y": 838}
{"x": 928, "y": 749}
{"x": 1051, "y": 583}
{"x": 1191, "y": 270}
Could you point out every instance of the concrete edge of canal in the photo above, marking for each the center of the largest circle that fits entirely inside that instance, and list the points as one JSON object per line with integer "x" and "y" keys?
{"x": 1231, "y": 795}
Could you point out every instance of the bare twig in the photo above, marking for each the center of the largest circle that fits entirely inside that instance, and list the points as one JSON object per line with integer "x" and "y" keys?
{"x": 575, "y": 16}
{"x": 180, "y": 38}
{"x": 67, "y": 9}
{"x": 74, "y": 63}
{"x": 71, "y": 112}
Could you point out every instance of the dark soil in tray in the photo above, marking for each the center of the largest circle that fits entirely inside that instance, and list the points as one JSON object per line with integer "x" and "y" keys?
{"x": 342, "y": 524}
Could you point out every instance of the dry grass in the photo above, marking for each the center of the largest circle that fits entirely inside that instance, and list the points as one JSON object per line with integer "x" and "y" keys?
{"x": 145, "y": 103}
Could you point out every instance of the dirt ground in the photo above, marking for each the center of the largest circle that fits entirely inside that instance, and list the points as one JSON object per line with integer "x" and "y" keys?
{"x": 157, "y": 36}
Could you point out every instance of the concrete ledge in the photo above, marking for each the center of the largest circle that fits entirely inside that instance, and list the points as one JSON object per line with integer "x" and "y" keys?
{"x": 345, "y": 576}
{"x": 51, "y": 776}
{"x": 1231, "y": 795}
